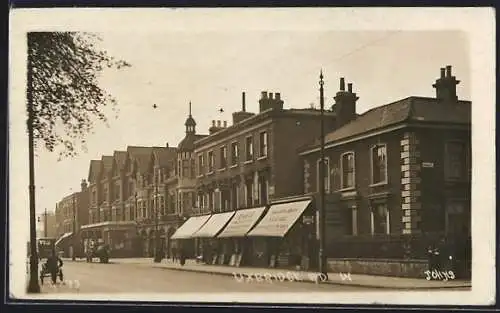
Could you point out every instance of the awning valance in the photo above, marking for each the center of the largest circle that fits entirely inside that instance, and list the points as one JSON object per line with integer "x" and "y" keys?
{"x": 242, "y": 222}
{"x": 279, "y": 219}
{"x": 214, "y": 225}
{"x": 190, "y": 227}
{"x": 64, "y": 236}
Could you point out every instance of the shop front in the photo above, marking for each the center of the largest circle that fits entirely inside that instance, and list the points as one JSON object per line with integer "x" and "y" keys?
{"x": 285, "y": 236}
{"x": 238, "y": 246}
{"x": 215, "y": 251}
{"x": 121, "y": 237}
{"x": 183, "y": 235}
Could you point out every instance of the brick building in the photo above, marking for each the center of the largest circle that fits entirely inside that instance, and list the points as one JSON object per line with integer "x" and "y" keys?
{"x": 71, "y": 215}
{"x": 247, "y": 165}
{"x": 398, "y": 178}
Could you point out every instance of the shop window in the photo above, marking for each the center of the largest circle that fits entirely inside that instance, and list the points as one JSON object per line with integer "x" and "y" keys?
{"x": 455, "y": 160}
{"x": 380, "y": 219}
{"x": 348, "y": 170}
{"x": 249, "y": 193}
{"x": 379, "y": 164}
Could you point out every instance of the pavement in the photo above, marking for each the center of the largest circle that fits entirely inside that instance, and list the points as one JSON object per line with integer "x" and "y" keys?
{"x": 131, "y": 277}
{"x": 250, "y": 275}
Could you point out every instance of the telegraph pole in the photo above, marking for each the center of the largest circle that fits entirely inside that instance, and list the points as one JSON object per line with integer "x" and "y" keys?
{"x": 321, "y": 220}
{"x": 33, "y": 285}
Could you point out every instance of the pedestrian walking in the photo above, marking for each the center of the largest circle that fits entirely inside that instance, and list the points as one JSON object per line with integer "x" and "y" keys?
{"x": 174, "y": 254}
{"x": 433, "y": 257}
{"x": 182, "y": 256}
{"x": 54, "y": 266}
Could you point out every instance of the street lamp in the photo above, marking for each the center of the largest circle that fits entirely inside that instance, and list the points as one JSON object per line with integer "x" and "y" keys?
{"x": 321, "y": 220}
{"x": 33, "y": 285}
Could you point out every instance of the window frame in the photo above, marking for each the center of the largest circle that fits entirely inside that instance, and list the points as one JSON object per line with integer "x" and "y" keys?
{"x": 327, "y": 176}
{"x": 223, "y": 165}
{"x": 211, "y": 162}
{"x": 201, "y": 164}
{"x": 372, "y": 150}
{"x": 447, "y": 162}
{"x": 235, "y": 158}
{"x": 345, "y": 154}
{"x": 374, "y": 206}
{"x": 249, "y": 157}
{"x": 266, "y": 147}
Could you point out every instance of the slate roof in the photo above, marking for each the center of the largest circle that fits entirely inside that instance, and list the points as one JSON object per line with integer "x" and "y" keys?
{"x": 164, "y": 155}
{"x": 120, "y": 158}
{"x": 187, "y": 144}
{"x": 106, "y": 163}
{"x": 94, "y": 168}
{"x": 142, "y": 155}
{"x": 411, "y": 109}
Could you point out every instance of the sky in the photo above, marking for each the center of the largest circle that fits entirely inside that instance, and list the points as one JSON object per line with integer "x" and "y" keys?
{"x": 211, "y": 69}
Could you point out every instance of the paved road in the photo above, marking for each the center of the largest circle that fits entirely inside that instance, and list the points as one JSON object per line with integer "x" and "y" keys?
{"x": 83, "y": 277}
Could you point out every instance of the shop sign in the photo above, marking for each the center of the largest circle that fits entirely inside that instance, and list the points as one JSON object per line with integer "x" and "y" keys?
{"x": 307, "y": 219}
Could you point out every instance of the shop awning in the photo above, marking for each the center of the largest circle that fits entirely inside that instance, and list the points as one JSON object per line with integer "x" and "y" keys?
{"x": 190, "y": 227}
{"x": 242, "y": 222}
{"x": 64, "y": 236}
{"x": 279, "y": 219}
{"x": 214, "y": 225}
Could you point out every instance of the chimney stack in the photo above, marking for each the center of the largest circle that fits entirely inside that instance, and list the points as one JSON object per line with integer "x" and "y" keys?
{"x": 166, "y": 145}
{"x": 213, "y": 123}
{"x": 345, "y": 104}
{"x": 243, "y": 105}
{"x": 225, "y": 124}
{"x": 448, "y": 71}
{"x": 218, "y": 123}
{"x": 446, "y": 85}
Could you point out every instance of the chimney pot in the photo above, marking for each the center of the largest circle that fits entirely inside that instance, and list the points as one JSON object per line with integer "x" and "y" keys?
{"x": 243, "y": 105}
{"x": 448, "y": 71}
{"x": 225, "y": 124}
{"x": 442, "y": 72}
{"x": 218, "y": 123}
{"x": 277, "y": 96}
{"x": 264, "y": 95}
{"x": 213, "y": 123}
{"x": 342, "y": 84}
{"x": 349, "y": 87}
{"x": 167, "y": 145}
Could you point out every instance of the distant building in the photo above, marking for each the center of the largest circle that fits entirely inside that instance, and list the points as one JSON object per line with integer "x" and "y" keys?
{"x": 71, "y": 214}
{"x": 402, "y": 169}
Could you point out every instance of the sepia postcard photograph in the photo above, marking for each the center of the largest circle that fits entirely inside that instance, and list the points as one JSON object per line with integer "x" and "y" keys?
{"x": 279, "y": 155}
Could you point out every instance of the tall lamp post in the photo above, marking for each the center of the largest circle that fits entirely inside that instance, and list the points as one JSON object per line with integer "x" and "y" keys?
{"x": 157, "y": 256}
{"x": 321, "y": 213}
{"x": 33, "y": 285}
